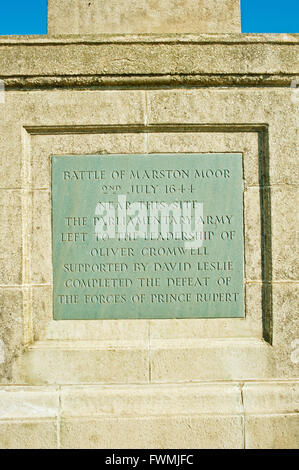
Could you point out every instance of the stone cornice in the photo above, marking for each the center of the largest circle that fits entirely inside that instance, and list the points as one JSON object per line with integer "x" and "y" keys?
{"x": 148, "y": 61}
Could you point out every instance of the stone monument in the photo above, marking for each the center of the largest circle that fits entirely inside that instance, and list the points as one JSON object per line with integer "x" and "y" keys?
{"x": 149, "y": 275}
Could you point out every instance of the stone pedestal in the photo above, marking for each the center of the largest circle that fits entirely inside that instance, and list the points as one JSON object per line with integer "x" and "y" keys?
{"x": 177, "y": 383}
{"x": 143, "y": 16}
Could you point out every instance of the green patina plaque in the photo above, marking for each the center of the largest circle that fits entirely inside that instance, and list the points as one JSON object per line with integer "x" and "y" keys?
{"x": 147, "y": 236}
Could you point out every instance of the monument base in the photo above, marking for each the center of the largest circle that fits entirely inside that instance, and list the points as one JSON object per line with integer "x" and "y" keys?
{"x": 237, "y": 415}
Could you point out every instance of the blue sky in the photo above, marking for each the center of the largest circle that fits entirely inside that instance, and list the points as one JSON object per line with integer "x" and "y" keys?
{"x": 270, "y": 16}
{"x": 258, "y": 16}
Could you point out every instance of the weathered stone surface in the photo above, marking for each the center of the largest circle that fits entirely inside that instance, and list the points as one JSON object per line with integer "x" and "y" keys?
{"x": 63, "y": 110}
{"x": 271, "y": 397}
{"x": 193, "y": 432}
{"x": 143, "y": 16}
{"x": 210, "y": 359}
{"x": 252, "y": 234}
{"x": 284, "y": 207}
{"x": 11, "y": 139}
{"x": 28, "y": 417}
{"x": 150, "y": 400}
{"x": 286, "y": 328}
{"x": 28, "y": 434}
{"x": 65, "y": 362}
{"x": 18, "y": 402}
{"x": 198, "y": 106}
{"x": 250, "y": 414}
{"x": 68, "y": 60}
{"x": 271, "y": 415}
{"x": 127, "y": 362}
{"x": 272, "y": 432}
{"x": 11, "y": 242}
{"x": 276, "y": 115}
{"x": 11, "y": 329}
{"x": 41, "y": 239}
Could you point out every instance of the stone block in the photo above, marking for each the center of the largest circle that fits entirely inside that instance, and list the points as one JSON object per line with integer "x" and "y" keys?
{"x": 150, "y": 400}
{"x": 284, "y": 202}
{"x": 21, "y": 402}
{"x": 11, "y": 150}
{"x": 11, "y": 243}
{"x": 277, "y": 397}
{"x": 143, "y": 16}
{"x": 285, "y": 298}
{"x": 27, "y": 434}
{"x": 272, "y": 432}
{"x": 72, "y": 362}
{"x": 181, "y": 432}
{"x": 11, "y": 329}
{"x": 210, "y": 359}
